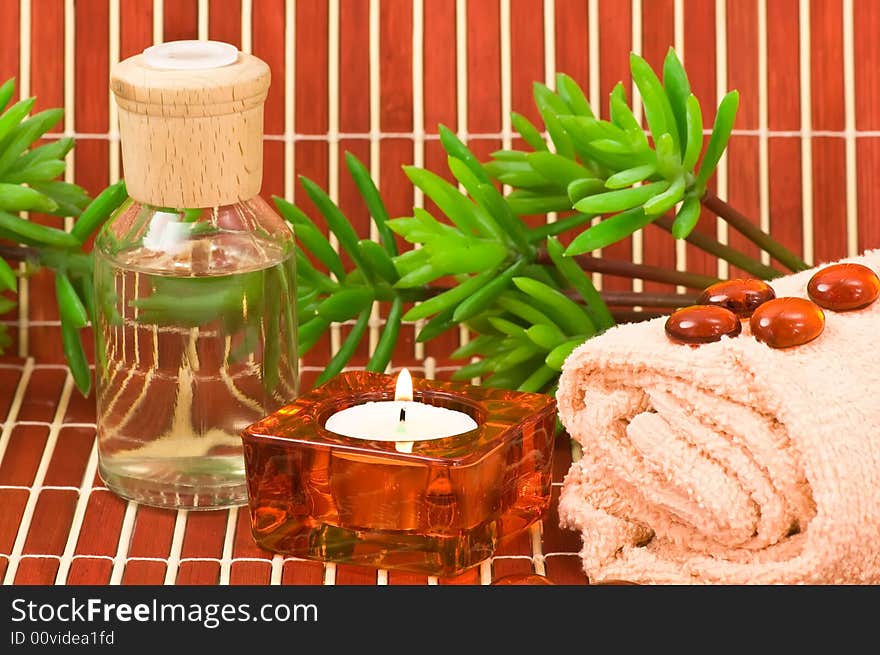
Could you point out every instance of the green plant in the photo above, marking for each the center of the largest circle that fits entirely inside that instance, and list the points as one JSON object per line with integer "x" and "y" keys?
{"x": 28, "y": 183}
{"x": 527, "y": 299}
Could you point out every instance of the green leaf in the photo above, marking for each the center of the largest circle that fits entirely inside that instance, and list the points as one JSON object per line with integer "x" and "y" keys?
{"x": 310, "y": 332}
{"x": 609, "y": 231}
{"x": 630, "y": 176}
{"x": 418, "y": 277}
{"x": 558, "y": 169}
{"x": 455, "y": 148}
{"x": 496, "y": 204}
{"x": 541, "y": 232}
{"x": 678, "y": 89}
{"x": 620, "y": 200}
{"x": 487, "y": 295}
{"x": 580, "y": 189}
{"x": 437, "y": 326}
{"x": 512, "y": 378}
{"x": 474, "y": 370}
{"x": 658, "y": 111}
{"x": 305, "y": 271}
{"x": 472, "y": 184}
{"x": 34, "y": 233}
{"x": 373, "y": 199}
{"x": 668, "y": 157}
{"x": 463, "y": 213}
{"x": 622, "y": 116}
{"x": 587, "y": 132}
{"x": 612, "y": 147}
{"x": 538, "y": 380}
{"x": 449, "y": 298}
{"x": 573, "y": 95}
{"x": 508, "y": 328}
{"x": 519, "y": 175}
{"x": 346, "y": 350}
{"x": 528, "y": 203}
{"x": 345, "y": 304}
{"x": 317, "y": 244}
{"x": 7, "y": 275}
{"x": 99, "y": 210}
{"x": 519, "y": 354}
{"x": 509, "y": 155}
{"x": 545, "y": 99}
{"x": 721, "y": 131}
{"x": 483, "y": 344}
{"x": 558, "y": 135}
{"x": 76, "y": 357}
{"x": 15, "y": 198}
{"x": 385, "y": 346}
{"x": 564, "y": 312}
{"x": 56, "y": 149}
{"x": 665, "y": 201}
{"x": 546, "y": 337}
{"x": 70, "y": 198}
{"x": 687, "y": 217}
{"x": 694, "y": 132}
{"x": 519, "y": 304}
{"x": 12, "y": 117}
{"x": 21, "y": 137}
{"x": 462, "y": 255}
{"x": 378, "y": 261}
{"x": 336, "y": 220}
{"x": 581, "y": 282}
{"x": 69, "y": 304}
{"x": 557, "y": 357}
{"x": 527, "y": 131}
{"x": 6, "y": 92}
{"x": 39, "y": 172}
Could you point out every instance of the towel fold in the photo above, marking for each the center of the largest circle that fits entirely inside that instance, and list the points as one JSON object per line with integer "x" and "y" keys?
{"x": 731, "y": 462}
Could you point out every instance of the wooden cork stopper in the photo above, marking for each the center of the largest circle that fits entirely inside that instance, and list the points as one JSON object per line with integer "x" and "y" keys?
{"x": 191, "y": 123}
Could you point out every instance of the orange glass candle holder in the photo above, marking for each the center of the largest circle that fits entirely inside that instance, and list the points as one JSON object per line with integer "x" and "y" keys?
{"x": 437, "y": 510}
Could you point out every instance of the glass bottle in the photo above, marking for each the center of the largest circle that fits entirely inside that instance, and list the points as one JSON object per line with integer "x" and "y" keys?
{"x": 194, "y": 281}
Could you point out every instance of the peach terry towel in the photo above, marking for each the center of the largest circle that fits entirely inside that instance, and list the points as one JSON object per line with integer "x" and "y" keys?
{"x": 731, "y": 462}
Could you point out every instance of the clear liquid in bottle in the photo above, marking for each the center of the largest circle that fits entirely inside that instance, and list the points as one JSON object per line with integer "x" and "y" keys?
{"x": 196, "y": 340}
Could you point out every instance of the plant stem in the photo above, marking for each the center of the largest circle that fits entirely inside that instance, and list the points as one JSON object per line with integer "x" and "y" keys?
{"x": 618, "y": 298}
{"x": 724, "y": 252}
{"x": 552, "y": 229}
{"x": 18, "y": 253}
{"x": 635, "y": 298}
{"x": 621, "y": 268}
{"x": 753, "y": 233}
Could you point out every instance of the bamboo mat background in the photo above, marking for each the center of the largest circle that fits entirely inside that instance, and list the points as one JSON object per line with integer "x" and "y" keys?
{"x": 375, "y": 77}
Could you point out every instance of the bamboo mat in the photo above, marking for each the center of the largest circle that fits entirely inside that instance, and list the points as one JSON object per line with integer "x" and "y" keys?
{"x": 60, "y": 525}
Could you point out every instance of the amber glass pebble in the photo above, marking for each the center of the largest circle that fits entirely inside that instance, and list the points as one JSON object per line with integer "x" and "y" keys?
{"x": 741, "y": 297}
{"x": 702, "y": 324}
{"x": 843, "y": 287}
{"x": 787, "y": 322}
{"x": 523, "y": 579}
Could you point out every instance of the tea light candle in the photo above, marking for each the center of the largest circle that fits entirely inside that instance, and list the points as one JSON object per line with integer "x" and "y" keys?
{"x": 401, "y": 420}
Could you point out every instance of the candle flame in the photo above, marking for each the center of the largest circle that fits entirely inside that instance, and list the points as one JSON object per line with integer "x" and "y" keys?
{"x": 404, "y": 388}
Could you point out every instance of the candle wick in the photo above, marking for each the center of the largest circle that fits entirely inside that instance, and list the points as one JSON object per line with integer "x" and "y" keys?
{"x": 402, "y": 415}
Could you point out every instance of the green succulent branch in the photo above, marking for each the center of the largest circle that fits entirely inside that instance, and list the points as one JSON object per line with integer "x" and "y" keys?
{"x": 612, "y": 169}
{"x": 28, "y": 183}
{"x": 527, "y": 299}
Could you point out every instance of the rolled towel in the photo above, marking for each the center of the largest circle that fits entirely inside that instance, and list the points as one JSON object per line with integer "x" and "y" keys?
{"x": 731, "y": 462}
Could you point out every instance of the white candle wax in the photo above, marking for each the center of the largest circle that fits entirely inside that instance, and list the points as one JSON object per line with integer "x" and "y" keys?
{"x": 401, "y": 420}
{"x": 380, "y": 421}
